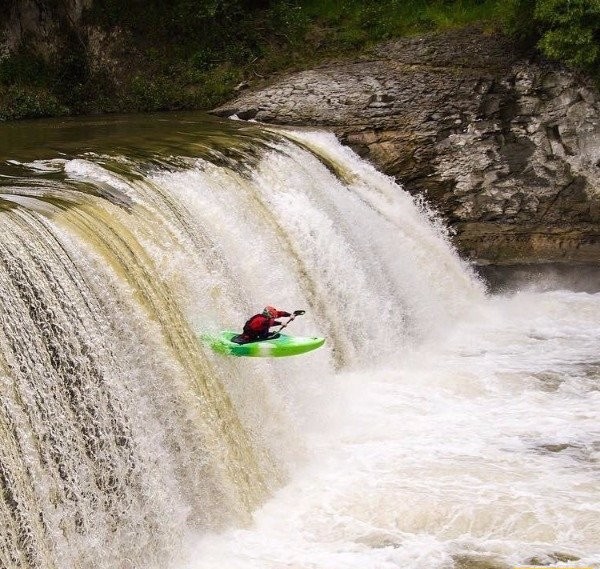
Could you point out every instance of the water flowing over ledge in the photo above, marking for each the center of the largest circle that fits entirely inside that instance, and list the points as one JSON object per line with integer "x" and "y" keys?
{"x": 124, "y": 437}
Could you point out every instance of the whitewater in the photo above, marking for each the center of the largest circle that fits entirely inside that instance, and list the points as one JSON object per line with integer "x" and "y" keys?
{"x": 440, "y": 426}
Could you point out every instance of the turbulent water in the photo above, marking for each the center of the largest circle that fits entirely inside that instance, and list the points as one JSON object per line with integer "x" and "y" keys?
{"x": 439, "y": 427}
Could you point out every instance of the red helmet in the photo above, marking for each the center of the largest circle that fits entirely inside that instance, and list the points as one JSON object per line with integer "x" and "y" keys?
{"x": 270, "y": 312}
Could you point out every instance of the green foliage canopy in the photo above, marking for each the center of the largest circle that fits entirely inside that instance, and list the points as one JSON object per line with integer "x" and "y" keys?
{"x": 572, "y": 30}
{"x": 565, "y": 30}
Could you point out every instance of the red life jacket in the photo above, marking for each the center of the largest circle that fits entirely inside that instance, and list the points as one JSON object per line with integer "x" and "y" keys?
{"x": 258, "y": 326}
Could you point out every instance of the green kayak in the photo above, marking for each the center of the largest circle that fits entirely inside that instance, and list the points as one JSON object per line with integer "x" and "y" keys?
{"x": 279, "y": 346}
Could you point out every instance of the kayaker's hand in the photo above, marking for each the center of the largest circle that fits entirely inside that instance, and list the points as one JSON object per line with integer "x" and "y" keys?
{"x": 299, "y": 312}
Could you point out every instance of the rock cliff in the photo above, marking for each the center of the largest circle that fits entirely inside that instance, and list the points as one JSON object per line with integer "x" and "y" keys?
{"x": 39, "y": 23}
{"x": 505, "y": 146}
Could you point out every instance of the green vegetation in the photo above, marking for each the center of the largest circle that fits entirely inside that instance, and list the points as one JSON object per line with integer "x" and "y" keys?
{"x": 565, "y": 30}
{"x": 356, "y": 24}
{"x": 149, "y": 55}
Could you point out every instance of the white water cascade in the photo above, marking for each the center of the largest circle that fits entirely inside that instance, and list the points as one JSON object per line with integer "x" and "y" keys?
{"x": 438, "y": 427}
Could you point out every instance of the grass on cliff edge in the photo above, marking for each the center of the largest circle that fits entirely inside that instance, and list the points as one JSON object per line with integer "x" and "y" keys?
{"x": 190, "y": 54}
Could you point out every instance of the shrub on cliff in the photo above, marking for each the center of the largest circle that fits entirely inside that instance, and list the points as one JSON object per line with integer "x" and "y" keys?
{"x": 28, "y": 102}
{"x": 565, "y": 30}
{"x": 572, "y": 30}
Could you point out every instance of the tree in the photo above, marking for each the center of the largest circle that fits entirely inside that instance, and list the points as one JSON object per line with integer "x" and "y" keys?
{"x": 571, "y": 30}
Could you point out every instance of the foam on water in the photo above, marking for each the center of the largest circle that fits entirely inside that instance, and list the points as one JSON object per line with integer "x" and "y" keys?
{"x": 483, "y": 447}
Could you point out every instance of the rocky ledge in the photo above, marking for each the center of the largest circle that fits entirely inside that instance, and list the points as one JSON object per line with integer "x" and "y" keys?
{"x": 505, "y": 146}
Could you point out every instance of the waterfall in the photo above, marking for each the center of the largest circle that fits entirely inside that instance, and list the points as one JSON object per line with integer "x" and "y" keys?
{"x": 120, "y": 430}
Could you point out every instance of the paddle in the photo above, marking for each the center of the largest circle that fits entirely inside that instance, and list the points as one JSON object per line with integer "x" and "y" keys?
{"x": 292, "y": 317}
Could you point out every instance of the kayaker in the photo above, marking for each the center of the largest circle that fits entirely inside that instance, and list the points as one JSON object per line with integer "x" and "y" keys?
{"x": 257, "y": 327}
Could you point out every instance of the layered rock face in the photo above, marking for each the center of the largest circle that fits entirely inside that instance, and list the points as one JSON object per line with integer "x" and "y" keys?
{"x": 506, "y": 148}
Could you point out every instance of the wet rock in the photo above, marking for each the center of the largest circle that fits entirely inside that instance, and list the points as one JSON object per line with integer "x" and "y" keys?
{"x": 247, "y": 114}
{"x": 551, "y": 559}
{"x": 555, "y": 447}
{"x": 557, "y": 276}
{"x": 475, "y": 561}
{"x": 504, "y": 146}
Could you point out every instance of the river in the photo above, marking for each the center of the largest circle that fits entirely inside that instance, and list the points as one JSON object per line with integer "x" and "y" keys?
{"x": 441, "y": 425}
